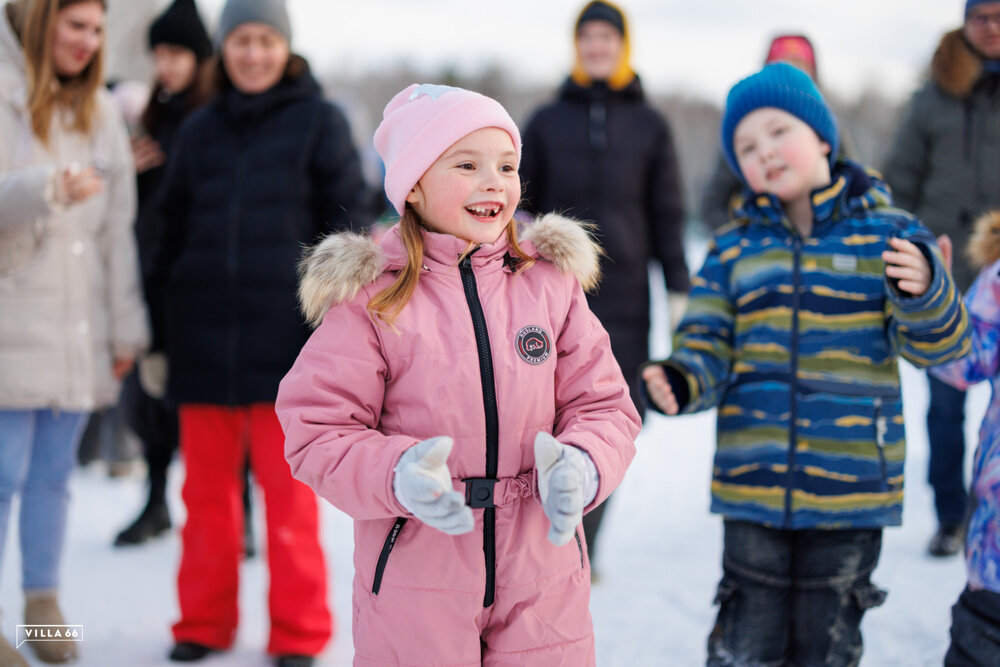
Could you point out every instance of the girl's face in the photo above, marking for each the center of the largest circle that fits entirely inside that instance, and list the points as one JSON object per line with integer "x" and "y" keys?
{"x": 780, "y": 154}
{"x": 175, "y": 67}
{"x": 473, "y": 189}
{"x": 255, "y": 56}
{"x": 78, "y": 35}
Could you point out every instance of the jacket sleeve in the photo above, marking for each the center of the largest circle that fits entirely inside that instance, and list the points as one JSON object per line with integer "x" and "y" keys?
{"x": 173, "y": 201}
{"x": 594, "y": 410}
{"x": 126, "y": 303}
{"x": 341, "y": 199}
{"x": 932, "y": 328}
{"x": 25, "y": 191}
{"x": 329, "y": 405}
{"x": 703, "y": 343}
{"x": 983, "y": 360}
{"x": 716, "y": 201}
{"x": 907, "y": 164}
{"x": 532, "y": 168}
{"x": 665, "y": 211}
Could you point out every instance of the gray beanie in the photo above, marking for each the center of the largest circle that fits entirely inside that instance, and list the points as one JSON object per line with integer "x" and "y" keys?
{"x": 269, "y": 12}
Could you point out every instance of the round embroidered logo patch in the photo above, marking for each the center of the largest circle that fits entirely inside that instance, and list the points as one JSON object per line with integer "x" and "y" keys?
{"x": 533, "y": 344}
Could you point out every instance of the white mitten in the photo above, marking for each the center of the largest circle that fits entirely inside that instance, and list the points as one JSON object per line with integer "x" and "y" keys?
{"x": 567, "y": 482}
{"x": 422, "y": 484}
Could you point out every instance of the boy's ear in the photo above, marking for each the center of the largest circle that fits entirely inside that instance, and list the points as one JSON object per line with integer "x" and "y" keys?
{"x": 826, "y": 147}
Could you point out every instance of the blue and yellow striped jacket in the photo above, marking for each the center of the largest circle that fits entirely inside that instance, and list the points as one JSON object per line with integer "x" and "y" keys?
{"x": 795, "y": 340}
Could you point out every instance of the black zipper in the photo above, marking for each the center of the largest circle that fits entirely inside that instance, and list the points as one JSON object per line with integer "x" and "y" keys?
{"x": 793, "y": 433}
{"x": 383, "y": 557}
{"x": 579, "y": 546}
{"x": 233, "y": 280}
{"x": 492, "y": 418}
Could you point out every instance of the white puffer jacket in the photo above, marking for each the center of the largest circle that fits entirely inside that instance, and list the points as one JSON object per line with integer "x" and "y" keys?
{"x": 70, "y": 307}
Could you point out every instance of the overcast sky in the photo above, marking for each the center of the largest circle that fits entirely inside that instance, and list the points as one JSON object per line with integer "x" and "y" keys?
{"x": 700, "y": 47}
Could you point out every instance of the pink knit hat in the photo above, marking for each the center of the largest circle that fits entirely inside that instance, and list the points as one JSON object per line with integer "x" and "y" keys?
{"x": 421, "y": 122}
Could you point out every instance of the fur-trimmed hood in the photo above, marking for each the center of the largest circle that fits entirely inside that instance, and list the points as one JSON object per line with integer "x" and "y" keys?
{"x": 335, "y": 269}
{"x": 984, "y": 245}
{"x": 955, "y": 67}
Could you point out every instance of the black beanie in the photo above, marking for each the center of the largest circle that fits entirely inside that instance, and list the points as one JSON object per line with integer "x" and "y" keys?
{"x": 181, "y": 25}
{"x": 602, "y": 11}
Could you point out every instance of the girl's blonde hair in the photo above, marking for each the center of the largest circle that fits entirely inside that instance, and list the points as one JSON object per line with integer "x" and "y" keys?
{"x": 387, "y": 304}
{"x": 34, "y": 23}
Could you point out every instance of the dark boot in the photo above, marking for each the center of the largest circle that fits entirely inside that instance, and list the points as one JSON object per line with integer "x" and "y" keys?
{"x": 153, "y": 521}
{"x": 947, "y": 541}
{"x": 294, "y": 661}
{"x": 189, "y": 652}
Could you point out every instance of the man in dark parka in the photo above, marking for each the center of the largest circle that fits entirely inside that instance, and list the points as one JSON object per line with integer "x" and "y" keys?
{"x": 945, "y": 168}
{"x": 601, "y": 153}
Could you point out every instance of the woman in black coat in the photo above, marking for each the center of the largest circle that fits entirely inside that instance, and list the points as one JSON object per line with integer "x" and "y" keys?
{"x": 263, "y": 170}
{"x": 181, "y": 50}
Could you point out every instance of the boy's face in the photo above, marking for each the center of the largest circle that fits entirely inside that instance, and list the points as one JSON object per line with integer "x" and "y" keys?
{"x": 780, "y": 155}
{"x": 600, "y": 47}
{"x": 472, "y": 190}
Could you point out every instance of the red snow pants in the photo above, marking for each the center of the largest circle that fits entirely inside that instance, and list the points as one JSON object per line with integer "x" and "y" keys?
{"x": 214, "y": 442}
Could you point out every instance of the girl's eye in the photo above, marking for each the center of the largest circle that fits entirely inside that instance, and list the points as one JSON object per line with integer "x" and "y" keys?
{"x": 778, "y": 131}
{"x": 747, "y": 149}
{"x": 508, "y": 169}
{"x": 468, "y": 166}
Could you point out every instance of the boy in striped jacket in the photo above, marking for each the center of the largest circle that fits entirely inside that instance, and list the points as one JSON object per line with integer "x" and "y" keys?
{"x": 793, "y": 330}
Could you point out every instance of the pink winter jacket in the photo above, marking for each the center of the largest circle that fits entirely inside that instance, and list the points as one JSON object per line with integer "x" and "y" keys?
{"x": 361, "y": 393}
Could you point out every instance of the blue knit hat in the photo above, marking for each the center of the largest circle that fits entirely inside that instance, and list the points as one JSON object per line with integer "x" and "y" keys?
{"x": 969, "y": 4}
{"x": 784, "y": 87}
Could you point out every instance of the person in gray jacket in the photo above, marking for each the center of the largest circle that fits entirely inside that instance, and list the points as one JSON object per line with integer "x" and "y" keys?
{"x": 945, "y": 167}
{"x": 72, "y": 319}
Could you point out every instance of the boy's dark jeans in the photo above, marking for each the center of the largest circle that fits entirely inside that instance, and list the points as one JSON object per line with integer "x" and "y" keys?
{"x": 793, "y": 597}
{"x": 946, "y": 435}
{"x": 975, "y": 630}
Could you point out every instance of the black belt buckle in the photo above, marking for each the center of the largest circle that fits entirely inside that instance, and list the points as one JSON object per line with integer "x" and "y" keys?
{"x": 479, "y": 491}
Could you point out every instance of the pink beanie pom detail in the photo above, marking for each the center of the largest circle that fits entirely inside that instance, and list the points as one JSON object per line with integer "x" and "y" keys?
{"x": 421, "y": 122}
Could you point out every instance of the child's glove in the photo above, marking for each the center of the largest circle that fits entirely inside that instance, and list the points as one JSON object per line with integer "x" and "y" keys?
{"x": 422, "y": 484}
{"x": 567, "y": 482}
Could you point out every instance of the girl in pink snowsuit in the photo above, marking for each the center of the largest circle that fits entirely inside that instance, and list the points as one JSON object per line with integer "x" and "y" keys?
{"x": 459, "y": 401}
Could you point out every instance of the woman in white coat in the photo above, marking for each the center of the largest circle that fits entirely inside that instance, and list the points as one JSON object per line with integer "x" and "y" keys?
{"x": 72, "y": 320}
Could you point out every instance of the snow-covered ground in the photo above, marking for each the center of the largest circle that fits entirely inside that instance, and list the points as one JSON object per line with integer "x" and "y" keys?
{"x": 659, "y": 562}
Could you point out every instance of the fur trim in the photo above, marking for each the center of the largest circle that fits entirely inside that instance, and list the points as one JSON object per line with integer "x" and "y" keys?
{"x": 568, "y": 244}
{"x": 984, "y": 244}
{"x": 955, "y": 67}
{"x": 335, "y": 270}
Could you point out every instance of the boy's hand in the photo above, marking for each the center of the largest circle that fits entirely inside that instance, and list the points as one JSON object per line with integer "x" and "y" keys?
{"x": 908, "y": 266}
{"x": 659, "y": 389}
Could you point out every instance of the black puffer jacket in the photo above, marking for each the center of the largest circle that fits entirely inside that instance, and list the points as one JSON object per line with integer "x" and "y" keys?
{"x": 251, "y": 180}
{"x": 607, "y": 157}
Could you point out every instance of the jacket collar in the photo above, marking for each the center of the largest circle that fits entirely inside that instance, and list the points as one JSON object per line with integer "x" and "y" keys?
{"x": 956, "y": 67}
{"x": 852, "y": 189}
{"x": 573, "y": 91}
{"x": 337, "y": 268}
{"x": 246, "y": 109}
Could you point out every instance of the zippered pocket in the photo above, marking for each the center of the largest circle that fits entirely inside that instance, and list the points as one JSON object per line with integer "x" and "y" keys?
{"x": 383, "y": 557}
{"x": 881, "y": 428}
